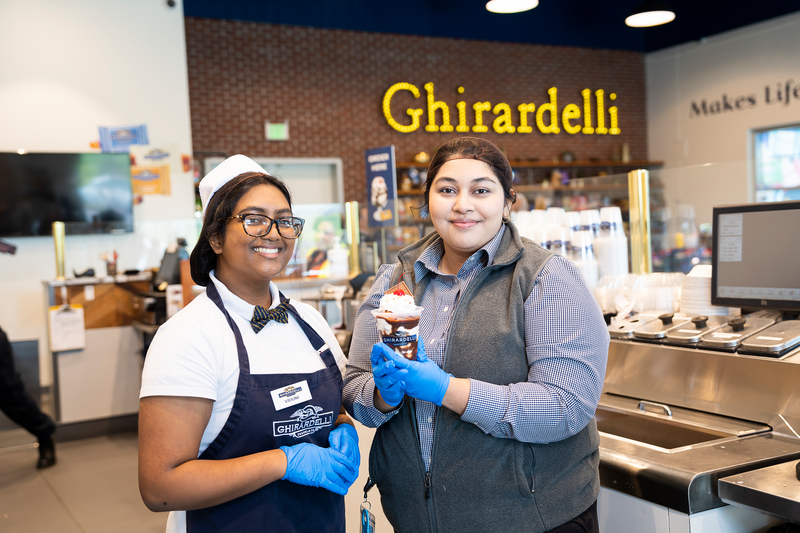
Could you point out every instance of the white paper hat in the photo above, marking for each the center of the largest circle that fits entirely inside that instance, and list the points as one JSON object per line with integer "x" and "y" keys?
{"x": 225, "y": 172}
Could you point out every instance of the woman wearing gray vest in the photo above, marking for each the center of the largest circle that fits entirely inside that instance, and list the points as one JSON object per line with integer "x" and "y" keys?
{"x": 492, "y": 427}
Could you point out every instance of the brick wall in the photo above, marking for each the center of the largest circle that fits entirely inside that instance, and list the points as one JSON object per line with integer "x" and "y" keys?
{"x": 329, "y": 85}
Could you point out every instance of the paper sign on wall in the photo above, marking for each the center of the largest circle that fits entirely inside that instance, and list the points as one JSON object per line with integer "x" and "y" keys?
{"x": 153, "y": 167}
{"x": 121, "y": 138}
{"x": 67, "y": 328}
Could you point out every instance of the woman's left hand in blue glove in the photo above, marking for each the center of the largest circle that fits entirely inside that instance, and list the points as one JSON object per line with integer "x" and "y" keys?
{"x": 344, "y": 439}
{"x": 425, "y": 379}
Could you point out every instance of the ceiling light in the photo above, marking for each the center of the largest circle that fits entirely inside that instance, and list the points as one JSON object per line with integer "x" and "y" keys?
{"x": 511, "y": 6}
{"x": 650, "y": 14}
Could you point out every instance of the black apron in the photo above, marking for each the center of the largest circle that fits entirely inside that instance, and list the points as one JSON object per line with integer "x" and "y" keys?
{"x": 254, "y": 426}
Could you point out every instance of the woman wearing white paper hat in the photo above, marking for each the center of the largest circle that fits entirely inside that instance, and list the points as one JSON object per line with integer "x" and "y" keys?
{"x": 241, "y": 426}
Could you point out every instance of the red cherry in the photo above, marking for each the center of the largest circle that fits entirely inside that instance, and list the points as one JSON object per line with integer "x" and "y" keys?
{"x": 398, "y": 292}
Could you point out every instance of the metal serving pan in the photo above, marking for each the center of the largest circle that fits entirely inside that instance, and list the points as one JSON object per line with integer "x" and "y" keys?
{"x": 624, "y": 329}
{"x": 776, "y": 339}
{"x": 700, "y": 325}
{"x": 658, "y": 329}
{"x": 730, "y": 336}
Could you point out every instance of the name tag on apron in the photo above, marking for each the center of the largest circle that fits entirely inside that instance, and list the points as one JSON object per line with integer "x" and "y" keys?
{"x": 291, "y": 395}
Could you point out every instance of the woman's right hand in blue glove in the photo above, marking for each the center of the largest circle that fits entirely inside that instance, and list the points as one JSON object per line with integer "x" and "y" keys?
{"x": 388, "y": 378}
{"x": 308, "y": 464}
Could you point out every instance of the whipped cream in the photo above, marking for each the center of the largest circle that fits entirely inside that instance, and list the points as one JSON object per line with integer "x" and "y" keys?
{"x": 400, "y": 304}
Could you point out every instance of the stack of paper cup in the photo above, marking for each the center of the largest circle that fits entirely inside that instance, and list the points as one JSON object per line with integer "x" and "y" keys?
{"x": 611, "y": 245}
{"x": 539, "y": 236}
{"x": 554, "y": 216}
{"x": 590, "y": 221}
{"x": 558, "y": 241}
{"x": 583, "y": 257}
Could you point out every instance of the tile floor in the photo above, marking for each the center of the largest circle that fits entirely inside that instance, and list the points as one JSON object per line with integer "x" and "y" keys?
{"x": 92, "y": 488}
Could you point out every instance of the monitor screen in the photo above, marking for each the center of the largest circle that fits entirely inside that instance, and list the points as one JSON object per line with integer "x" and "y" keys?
{"x": 91, "y": 193}
{"x": 756, "y": 256}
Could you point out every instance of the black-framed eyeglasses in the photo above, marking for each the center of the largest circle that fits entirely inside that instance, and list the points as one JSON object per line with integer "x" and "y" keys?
{"x": 260, "y": 225}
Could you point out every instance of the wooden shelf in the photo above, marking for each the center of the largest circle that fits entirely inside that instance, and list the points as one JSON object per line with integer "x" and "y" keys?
{"x": 559, "y": 164}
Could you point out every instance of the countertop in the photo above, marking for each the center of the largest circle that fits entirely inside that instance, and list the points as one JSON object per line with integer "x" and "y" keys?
{"x": 772, "y": 490}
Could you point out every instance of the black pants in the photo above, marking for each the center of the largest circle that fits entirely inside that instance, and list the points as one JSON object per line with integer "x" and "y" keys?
{"x": 586, "y": 522}
{"x": 15, "y": 403}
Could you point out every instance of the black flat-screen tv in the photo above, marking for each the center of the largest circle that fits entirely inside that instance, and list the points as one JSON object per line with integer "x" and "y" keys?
{"x": 91, "y": 193}
{"x": 756, "y": 256}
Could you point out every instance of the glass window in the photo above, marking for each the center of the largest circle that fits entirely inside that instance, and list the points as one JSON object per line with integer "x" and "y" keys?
{"x": 777, "y": 164}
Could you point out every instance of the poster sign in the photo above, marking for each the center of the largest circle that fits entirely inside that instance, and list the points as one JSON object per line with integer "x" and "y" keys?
{"x": 152, "y": 168}
{"x": 381, "y": 187}
{"x": 120, "y": 139}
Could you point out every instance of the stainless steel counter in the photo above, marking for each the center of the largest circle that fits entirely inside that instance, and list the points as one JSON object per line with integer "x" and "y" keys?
{"x": 675, "y": 420}
{"x": 773, "y": 490}
{"x": 687, "y": 480}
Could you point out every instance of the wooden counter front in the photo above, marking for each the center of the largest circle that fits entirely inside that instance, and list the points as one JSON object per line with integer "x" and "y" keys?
{"x": 114, "y": 304}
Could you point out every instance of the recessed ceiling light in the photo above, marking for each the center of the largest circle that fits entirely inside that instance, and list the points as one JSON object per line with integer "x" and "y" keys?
{"x": 511, "y": 6}
{"x": 650, "y": 14}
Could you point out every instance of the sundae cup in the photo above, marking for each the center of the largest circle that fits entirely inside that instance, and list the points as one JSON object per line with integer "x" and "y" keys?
{"x": 398, "y": 323}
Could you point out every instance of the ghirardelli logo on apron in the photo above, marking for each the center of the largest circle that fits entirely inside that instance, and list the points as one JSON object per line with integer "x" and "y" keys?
{"x": 304, "y": 422}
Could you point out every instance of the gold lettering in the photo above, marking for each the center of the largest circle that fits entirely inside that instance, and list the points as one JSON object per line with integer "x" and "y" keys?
{"x": 479, "y": 108}
{"x": 612, "y": 112}
{"x": 503, "y": 124}
{"x": 587, "y": 112}
{"x": 414, "y": 113}
{"x": 462, "y": 114}
{"x": 570, "y": 112}
{"x": 524, "y": 109}
{"x": 462, "y": 117}
{"x": 432, "y": 107}
{"x": 601, "y": 115}
{"x": 552, "y": 107}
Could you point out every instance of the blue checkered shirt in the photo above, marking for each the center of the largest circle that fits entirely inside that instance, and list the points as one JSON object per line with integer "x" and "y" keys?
{"x": 566, "y": 343}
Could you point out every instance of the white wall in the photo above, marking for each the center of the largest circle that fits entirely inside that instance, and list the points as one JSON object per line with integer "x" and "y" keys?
{"x": 66, "y": 68}
{"x": 738, "y": 63}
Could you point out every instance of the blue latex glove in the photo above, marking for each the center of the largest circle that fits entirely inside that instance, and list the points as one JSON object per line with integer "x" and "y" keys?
{"x": 424, "y": 380}
{"x": 344, "y": 439}
{"x": 387, "y": 376}
{"x": 308, "y": 464}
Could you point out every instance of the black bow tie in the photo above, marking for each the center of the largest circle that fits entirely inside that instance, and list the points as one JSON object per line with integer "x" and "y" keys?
{"x": 262, "y": 316}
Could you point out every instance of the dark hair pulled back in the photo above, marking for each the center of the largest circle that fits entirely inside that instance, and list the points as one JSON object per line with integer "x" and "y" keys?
{"x": 220, "y": 208}
{"x": 472, "y": 148}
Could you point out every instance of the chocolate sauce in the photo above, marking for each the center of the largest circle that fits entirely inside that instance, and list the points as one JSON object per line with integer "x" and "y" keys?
{"x": 402, "y": 343}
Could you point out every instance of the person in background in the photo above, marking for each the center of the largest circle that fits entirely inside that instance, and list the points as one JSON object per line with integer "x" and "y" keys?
{"x": 241, "y": 424}
{"x": 492, "y": 427}
{"x": 18, "y": 405}
{"x": 318, "y": 261}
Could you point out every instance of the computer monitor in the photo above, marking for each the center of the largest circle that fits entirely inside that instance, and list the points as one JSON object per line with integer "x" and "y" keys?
{"x": 756, "y": 256}
{"x": 170, "y": 270}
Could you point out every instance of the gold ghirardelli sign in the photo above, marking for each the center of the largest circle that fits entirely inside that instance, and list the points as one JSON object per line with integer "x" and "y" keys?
{"x": 570, "y": 116}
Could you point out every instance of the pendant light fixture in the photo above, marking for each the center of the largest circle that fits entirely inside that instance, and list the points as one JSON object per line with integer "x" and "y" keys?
{"x": 650, "y": 13}
{"x": 511, "y": 6}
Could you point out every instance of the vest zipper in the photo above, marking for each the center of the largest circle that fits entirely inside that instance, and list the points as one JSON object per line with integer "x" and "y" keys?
{"x": 533, "y": 468}
{"x": 427, "y": 480}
